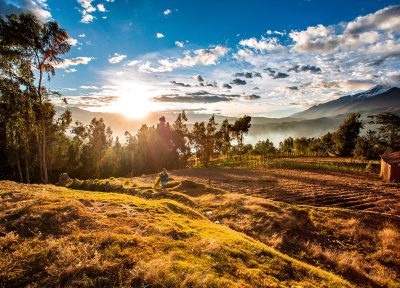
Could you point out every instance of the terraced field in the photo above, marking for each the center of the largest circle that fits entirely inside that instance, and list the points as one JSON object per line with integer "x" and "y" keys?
{"x": 359, "y": 191}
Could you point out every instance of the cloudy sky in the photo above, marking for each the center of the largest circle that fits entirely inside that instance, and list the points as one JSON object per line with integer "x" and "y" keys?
{"x": 265, "y": 58}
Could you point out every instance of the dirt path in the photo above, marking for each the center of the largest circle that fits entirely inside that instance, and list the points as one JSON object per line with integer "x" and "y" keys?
{"x": 315, "y": 188}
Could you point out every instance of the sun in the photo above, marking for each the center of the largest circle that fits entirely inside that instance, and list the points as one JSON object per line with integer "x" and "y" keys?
{"x": 136, "y": 107}
{"x": 133, "y": 102}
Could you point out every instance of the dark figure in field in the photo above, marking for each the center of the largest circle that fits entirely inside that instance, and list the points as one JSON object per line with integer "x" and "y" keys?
{"x": 162, "y": 180}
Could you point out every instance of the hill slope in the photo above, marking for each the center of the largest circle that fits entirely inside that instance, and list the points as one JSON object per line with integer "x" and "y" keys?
{"x": 52, "y": 236}
{"x": 376, "y": 100}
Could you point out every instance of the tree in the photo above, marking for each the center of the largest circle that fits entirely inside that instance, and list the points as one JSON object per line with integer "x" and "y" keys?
{"x": 389, "y": 129}
{"x": 368, "y": 146}
{"x": 29, "y": 44}
{"x": 300, "y": 144}
{"x": 209, "y": 146}
{"x": 19, "y": 119}
{"x": 239, "y": 129}
{"x": 181, "y": 138}
{"x": 264, "y": 148}
{"x": 223, "y": 138}
{"x": 328, "y": 145}
{"x": 93, "y": 151}
{"x": 286, "y": 145}
{"x": 198, "y": 140}
{"x": 345, "y": 137}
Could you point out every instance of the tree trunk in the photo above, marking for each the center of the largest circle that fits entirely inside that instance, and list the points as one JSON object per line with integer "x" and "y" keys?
{"x": 27, "y": 167}
{"x": 45, "y": 175}
{"x": 21, "y": 179}
{"x": 43, "y": 126}
{"x": 40, "y": 158}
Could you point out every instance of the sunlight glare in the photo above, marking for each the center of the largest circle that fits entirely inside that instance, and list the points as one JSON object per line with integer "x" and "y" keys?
{"x": 134, "y": 101}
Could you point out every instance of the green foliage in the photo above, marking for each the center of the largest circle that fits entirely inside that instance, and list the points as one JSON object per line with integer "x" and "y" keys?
{"x": 29, "y": 45}
{"x": 286, "y": 145}
{"x": 389, "y": 129}
{"x": 264, "y": 148}
{"x": 368, "y": 146}
{"x": 345, "y": 137}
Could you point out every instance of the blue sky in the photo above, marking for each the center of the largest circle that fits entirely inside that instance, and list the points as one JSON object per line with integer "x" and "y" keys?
{"x": 266, "y": 58}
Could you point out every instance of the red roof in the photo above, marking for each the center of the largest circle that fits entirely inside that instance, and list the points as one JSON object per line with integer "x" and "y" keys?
{"x": 391, "y": 158}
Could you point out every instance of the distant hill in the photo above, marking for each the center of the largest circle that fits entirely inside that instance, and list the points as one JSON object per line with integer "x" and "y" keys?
{"x": 376, "y": 100}
{"x": 313, "y": 122}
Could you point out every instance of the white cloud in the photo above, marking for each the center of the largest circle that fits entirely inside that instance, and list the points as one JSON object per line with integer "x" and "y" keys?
{"x": 87, "y": 8}
{"x": 179, "y": 44}
{"x": 87, "y": 5}
{"x": 101, "y": 8}
{"x": 387, "y": 19}
{"x": 270, "y": 32}
{"x": 72, "y": 70}
{"x": 89, "y": 87}
{"x": 198, "y": 57}
{"x": 87, "y": 18}
{"x": 265, "y": 44}
{"x": 116, "y": 58}
{"x": 363, "y": 30}
{"x": 167, "y": 11}
{"x": 133, "y": 63}
{"x": 159, "y": 35}
{"x": 38, "y": 7}
{"x": 74, "y": 62}
{"x": 71, "y": 41}
{"x": 243, "y": 54}
{"x": 83, "y": 35}
{"x": 317, "y": 38}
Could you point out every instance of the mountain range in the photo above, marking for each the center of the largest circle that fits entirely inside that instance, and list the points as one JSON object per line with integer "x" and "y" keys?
{"x": 376, "y": 100}
{"x": 312, "y": 122}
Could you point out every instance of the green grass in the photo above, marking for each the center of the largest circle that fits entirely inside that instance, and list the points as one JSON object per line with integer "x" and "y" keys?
{"x": 301, "y": 164}
{"x": 54, "y": 236}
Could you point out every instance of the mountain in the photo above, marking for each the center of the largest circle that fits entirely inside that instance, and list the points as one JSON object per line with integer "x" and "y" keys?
{"x": 312, "y": 122}
{"x": 376, "y": 100}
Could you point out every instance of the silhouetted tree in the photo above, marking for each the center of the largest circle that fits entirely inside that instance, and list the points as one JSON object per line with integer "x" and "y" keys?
{"x": 223, "y": 138}
{"x": 27, "y": 44}
{"x": 345, "y": 137}
{"x": 239, "y": 129}
{"x": 388, "y": 129}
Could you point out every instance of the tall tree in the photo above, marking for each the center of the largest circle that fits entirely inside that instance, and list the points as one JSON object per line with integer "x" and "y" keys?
{"x": 223, "y": 138}
{"x": 389, "y": 129}
{"x": 209, "y": 147}
{"x": 239, "y": 129}
{"x": 345, "y": 137}
{"x": 181, "y": 138}
{"x": 198, "y": 140}
{"x": 27, "y": 41}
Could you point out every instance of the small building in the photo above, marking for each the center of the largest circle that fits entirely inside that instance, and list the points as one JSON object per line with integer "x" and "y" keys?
{"x": 390, "y": 167}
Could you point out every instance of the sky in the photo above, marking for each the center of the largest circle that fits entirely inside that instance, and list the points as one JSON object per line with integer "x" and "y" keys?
{"x": 261, "y": 58}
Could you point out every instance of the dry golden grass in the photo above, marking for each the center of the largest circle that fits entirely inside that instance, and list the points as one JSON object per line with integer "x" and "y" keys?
{"x": 354, "y": 241}
{"x": 55, "y": 237}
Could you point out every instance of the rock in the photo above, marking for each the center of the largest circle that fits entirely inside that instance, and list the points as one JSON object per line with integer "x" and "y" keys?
{"x": 208, "y": 213}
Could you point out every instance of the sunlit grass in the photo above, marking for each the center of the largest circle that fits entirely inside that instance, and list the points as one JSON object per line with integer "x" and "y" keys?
{"x": 57, "y": 236}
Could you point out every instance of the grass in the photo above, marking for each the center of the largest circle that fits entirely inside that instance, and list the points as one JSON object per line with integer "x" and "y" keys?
{"x": 360, "y": 246}
{"x": 363, "y": 247}
{"x": 303, "y": 163}
{"x": 54, "y": 236}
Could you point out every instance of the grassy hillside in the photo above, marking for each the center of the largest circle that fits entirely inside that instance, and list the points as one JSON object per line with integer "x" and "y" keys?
{"x": 346, "y": 223}
{"x": 52, "y": 236}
